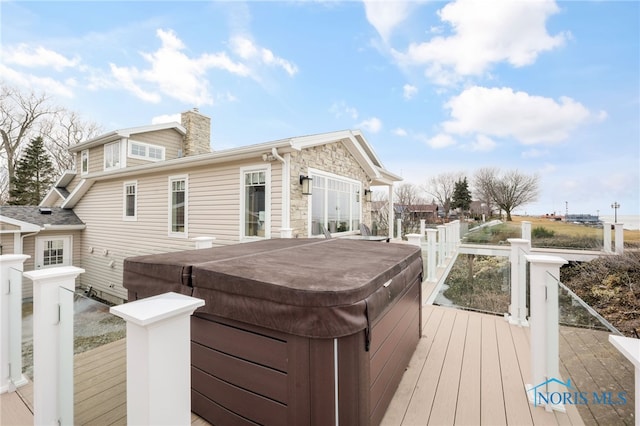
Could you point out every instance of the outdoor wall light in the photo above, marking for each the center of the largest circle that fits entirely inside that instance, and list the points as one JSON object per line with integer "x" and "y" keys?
{"x": 305, "y": 181}
{"x": 367, "y": 195}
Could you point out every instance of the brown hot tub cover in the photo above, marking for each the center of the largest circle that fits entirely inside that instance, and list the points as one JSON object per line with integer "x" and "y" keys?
{"x": 306, "y": 287}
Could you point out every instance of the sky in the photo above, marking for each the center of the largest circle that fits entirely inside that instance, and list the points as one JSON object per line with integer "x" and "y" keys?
{"x": 543, "y": 87}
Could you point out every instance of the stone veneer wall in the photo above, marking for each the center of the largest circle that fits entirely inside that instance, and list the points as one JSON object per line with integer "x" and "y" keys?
{"x": 198, "y": 137}
{"x": 333, "y": 158}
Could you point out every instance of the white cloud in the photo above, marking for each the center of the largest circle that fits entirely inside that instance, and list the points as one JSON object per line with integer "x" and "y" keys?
{"x": 484, "y": 34}
{"x": 534, "y": 153}
{"x": 172, "y": 73}
{"x": 46, "y": 84}
{"x": 482, "y": 143}
{"x": 409, "y": 91}
{"x": 400, "y": 132}
{"x": 372, "y": 125}
{"x": 167, "y": 118}
{"x": 386, "y": 15}
{"x": 37, "y": 57}
{"x": 501, "y": 112}
{"x": 340, "y": 109}
{"x": 249, "y": 51}
{"x": 441, "y": 140}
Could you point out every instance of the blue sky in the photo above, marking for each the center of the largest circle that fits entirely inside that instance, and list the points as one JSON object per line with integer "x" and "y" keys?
{"x": 539, "y": 86}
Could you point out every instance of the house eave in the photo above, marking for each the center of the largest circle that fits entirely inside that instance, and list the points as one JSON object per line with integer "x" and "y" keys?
{"x": 126, "y": 133}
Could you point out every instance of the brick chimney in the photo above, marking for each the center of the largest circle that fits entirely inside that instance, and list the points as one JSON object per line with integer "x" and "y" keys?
{"x": 198, "y": 137}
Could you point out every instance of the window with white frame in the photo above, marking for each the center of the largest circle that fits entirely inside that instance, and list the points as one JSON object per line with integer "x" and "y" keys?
{"x": 84, "y": 161}
{"x": 178, "y": 206}
{"x": 335, "y": 204}
{"x": 112, "y": 156}
{"x": 130, "y": 201}
{"x": 146, "y": 151}
{"x": 255, "y": 219}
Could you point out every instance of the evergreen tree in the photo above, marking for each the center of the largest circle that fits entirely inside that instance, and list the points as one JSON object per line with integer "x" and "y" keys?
{"x": 34, "y": 175}
{"x": 461, "y": 196}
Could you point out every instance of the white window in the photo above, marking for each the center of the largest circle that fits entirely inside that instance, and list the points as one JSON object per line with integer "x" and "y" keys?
{"x": 112, "y": 156}
{"x": 84, "y": 161}
{"x": 130, "y": 201}
{"x": 178, "y": 202}
{"x": 146, "y": 151}
{"x": 53, "y": 251}
{"x": 335, "y": 204}
{"x": 255, "y": 221}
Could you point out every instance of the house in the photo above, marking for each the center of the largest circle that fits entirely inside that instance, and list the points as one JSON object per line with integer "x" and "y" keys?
{"x": 155, "y": 188}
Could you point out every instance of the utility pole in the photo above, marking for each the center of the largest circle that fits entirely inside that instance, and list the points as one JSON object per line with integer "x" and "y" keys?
{"x": 615, "y": 206}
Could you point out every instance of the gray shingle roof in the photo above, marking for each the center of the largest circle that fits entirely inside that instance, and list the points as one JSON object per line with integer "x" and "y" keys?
{"x": 32, "y": 214}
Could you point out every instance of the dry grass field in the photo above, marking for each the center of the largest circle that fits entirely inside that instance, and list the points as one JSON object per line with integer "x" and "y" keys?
{"x": 574, "y": 230}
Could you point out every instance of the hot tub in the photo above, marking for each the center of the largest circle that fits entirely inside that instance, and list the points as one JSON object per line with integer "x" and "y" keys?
{"x": 293, "y": 331}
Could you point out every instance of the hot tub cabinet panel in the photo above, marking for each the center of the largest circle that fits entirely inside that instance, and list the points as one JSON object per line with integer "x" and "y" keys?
{"x": 299, "y": 347}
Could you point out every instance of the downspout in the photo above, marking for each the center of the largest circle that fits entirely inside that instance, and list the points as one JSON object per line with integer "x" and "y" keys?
{"x": 285, "y": 226}
{"x": 22, "y": 237}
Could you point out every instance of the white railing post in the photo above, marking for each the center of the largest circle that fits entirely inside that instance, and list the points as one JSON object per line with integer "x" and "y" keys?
{"x": 442, "y": 244}
{"x": 630, "y": 348}
{"x": 414, "y": 239}
{"x": 286, "y": 232}
{"x": 619, "y": 236}
{"x": 203, "y": 242}
{"x": 606, "y": 237}
{"x": 399, "y": 228}
{"x": 431, "y": 254}
{"x": 422, "y": 226}
{"x": 11, "y": 266}
{"x": 159, "y": 358}
{"x": 544, "y": 327}
{"x": 525, "y": 228}
{"x": 518, "y": 308}
{"x": 53, "y": 344}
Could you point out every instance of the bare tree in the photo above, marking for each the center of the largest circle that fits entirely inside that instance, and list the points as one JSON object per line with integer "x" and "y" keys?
{"x": 442, "y": 188}
{"x": 62, "y": 130}
{"x": 19, "y": 116}
{"x": 509, "y": 190}
{"x": 406, "y": 197}
{"x": 482, "y": 187}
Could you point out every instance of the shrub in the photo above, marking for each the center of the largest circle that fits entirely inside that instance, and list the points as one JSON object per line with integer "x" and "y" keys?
{"x": 542, "y": 232}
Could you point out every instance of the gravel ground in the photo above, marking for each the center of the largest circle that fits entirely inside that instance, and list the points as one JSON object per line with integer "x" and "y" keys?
{"x": 93, "y": 326}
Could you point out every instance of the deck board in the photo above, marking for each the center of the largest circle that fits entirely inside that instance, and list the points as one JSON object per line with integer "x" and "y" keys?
{"x": 468, "y": 368}
{"x": 449, "y": 380}
{"x": 492, "y": 411}
{"x": 468, "y": 399}
{"x": 421, "y": 403}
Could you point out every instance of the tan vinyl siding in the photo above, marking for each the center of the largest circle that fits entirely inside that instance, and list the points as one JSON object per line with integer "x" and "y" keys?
{"x": 8, "y": 227}
{"x": 213, "y": 210}
{"x": 29, "y": 247}
{"x": 170, "y": 139}
{"x": 7, "y": 240}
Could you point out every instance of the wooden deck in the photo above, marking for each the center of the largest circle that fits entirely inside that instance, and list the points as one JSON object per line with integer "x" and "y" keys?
{"x": 468, "y": 368}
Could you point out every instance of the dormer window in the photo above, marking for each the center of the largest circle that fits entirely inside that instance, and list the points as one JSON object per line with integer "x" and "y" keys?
{"x": 145, "y": 151}
{"x": 112, "y": 156}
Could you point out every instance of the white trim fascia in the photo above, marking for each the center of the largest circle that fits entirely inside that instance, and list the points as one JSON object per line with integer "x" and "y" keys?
{"x": 49, "y": 199}
{"x": 77, "y": 194}
{"x": 125, "y": 133}
{"x": 300, "y": 142}
{"x": 65, "y": 179}
{"x": 24, "y": 226}
{"x": 49, "y": 227}
{"x": 62, "y": 182}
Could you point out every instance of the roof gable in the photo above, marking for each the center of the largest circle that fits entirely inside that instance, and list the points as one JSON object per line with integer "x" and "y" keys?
{"x": 31, "y": 218}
